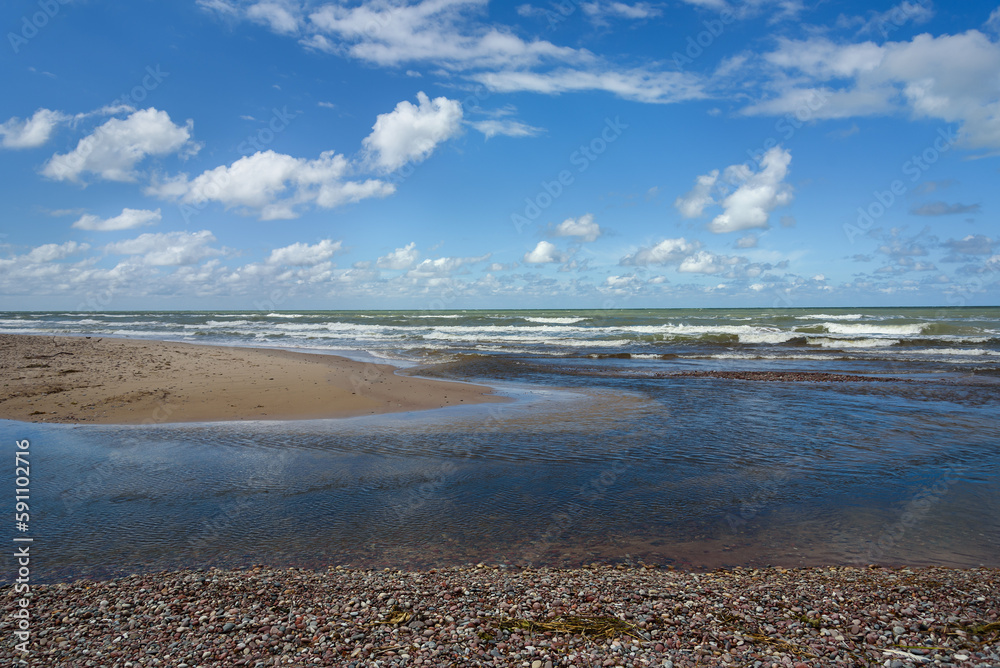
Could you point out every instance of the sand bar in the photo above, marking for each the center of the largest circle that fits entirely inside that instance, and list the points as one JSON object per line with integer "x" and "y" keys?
{"x": 126, "y": 381}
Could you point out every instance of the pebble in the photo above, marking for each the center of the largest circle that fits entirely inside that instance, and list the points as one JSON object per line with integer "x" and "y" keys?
{"x": 297, "y": 617}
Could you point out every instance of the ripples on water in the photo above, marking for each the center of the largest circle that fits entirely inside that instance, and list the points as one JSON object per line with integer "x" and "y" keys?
{"x": 696, "y": 472}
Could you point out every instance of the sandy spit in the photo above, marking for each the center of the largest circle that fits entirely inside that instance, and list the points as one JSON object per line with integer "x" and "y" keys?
{"x": 127, "y": 381}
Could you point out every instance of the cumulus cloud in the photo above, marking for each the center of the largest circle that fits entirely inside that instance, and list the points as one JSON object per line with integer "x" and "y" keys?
{"x": 545, "y": 252}
{"x": 31, "y": 132}
{"x": 401, "y": 258}
{"x": 693, "y": 203}
{"x": 412, "y": 132}
{"x": 279, "y": 17}
{"x": 748, "y": 241}
{"x": 54, "y": 252}
{"x": 303, "y": 255}
{"x": 584, "y": 228}
{"x": 668, "y": 251}
{"x": 443, "y": 266}
{"x": 274, "y": 185}
{"x": 114, "y": 149}
{"x": 750, "y": 205}
{"x": 704, "y": 262}
{"x": 948, "y": 78}
{"x": 128, "y": 219}
{"x": 973, "y": 244}
{"x": 167, "y": 249}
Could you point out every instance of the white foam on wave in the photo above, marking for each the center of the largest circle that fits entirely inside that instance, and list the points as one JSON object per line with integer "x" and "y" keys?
{"x": 284, "y": 315}
{"x": 760, "y": 356}
{"x": 885, "y": 330}
{"x": 854, "y": 343}
{"x": 977, "y": 352}
{"x": 827, "y": 316}
{"x": 769, "y": 337}
{"x": 556, "y": 321}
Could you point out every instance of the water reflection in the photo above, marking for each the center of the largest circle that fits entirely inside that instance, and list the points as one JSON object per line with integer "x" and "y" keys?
{"x": 699, "y": 474}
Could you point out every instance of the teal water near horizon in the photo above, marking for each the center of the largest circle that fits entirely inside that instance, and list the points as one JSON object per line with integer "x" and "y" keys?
{"x": 605, "y": 454}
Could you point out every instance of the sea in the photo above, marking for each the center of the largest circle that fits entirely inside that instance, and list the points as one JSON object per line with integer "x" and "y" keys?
{"x": 684, "y": 438}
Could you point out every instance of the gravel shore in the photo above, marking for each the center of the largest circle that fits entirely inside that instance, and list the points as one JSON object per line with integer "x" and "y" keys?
{"x": 538, "y": 618}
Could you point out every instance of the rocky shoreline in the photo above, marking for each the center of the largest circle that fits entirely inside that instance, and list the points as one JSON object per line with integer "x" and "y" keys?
{"x": 539, "y": 618}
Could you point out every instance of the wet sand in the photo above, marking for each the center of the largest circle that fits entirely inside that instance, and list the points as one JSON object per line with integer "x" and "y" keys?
{"x": 123, "y": 381}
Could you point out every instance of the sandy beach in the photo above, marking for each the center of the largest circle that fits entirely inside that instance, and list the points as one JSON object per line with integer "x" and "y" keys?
{"x": 126, "y": 381}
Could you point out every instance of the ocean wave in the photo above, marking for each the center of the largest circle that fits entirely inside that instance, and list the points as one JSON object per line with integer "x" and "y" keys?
{"x": 880, "y": 329}
{"x": 827, "y": 316}
{"x": 976, "y": 352}
{"x": 556, "y": 321}
{"x": 854, "y": 343}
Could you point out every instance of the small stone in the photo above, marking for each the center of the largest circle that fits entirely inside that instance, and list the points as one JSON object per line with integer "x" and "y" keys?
{"x": 227, "y": 627}
{"x": 961, "y": 657}
{"x": 536, "y": 664}
{"x": 898, "y": 630}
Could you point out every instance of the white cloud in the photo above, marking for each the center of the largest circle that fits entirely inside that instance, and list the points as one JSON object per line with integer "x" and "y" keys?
{"x": 457, "y": 36}
{"x": 751, "y": 204}
{"x": 53, "y": 252}
{"x": 692, "y": 204}
{"x": 599, "y": 12}
{"x": 113, "y": 149}
{"x": 440, "y": 32}
{"x": 950, "y": 78}
{"x": 668, "y": 251}
{"x": 31, "y": 132}
{"x": 508, "y": 128}
{"x": 783, "y": 9}
{"x": 640, "y": 85}
{"x": 442, "y": 266}
{"x": 126, "y": 220}
{"x": 704, "y": 262}
{"x": 545, "y": 252}
{"x": 303, "y": 255}
{"x": 993, "y": 22}
{"x": 411, "y": 132}
{"x": 892, "y": 19}
{"x": 221, "y": 6}
{"x": 167, "y": 249}
{"x": 274, "y": 185}
{"x": 748, "y": 241}
{"x": 275, "y": 15}
{"x": 583, "y": 227}
{"x": 401, "y": 258}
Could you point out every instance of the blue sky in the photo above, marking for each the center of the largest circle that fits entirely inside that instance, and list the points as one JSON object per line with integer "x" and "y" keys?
{"x": 470, "y": 154}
